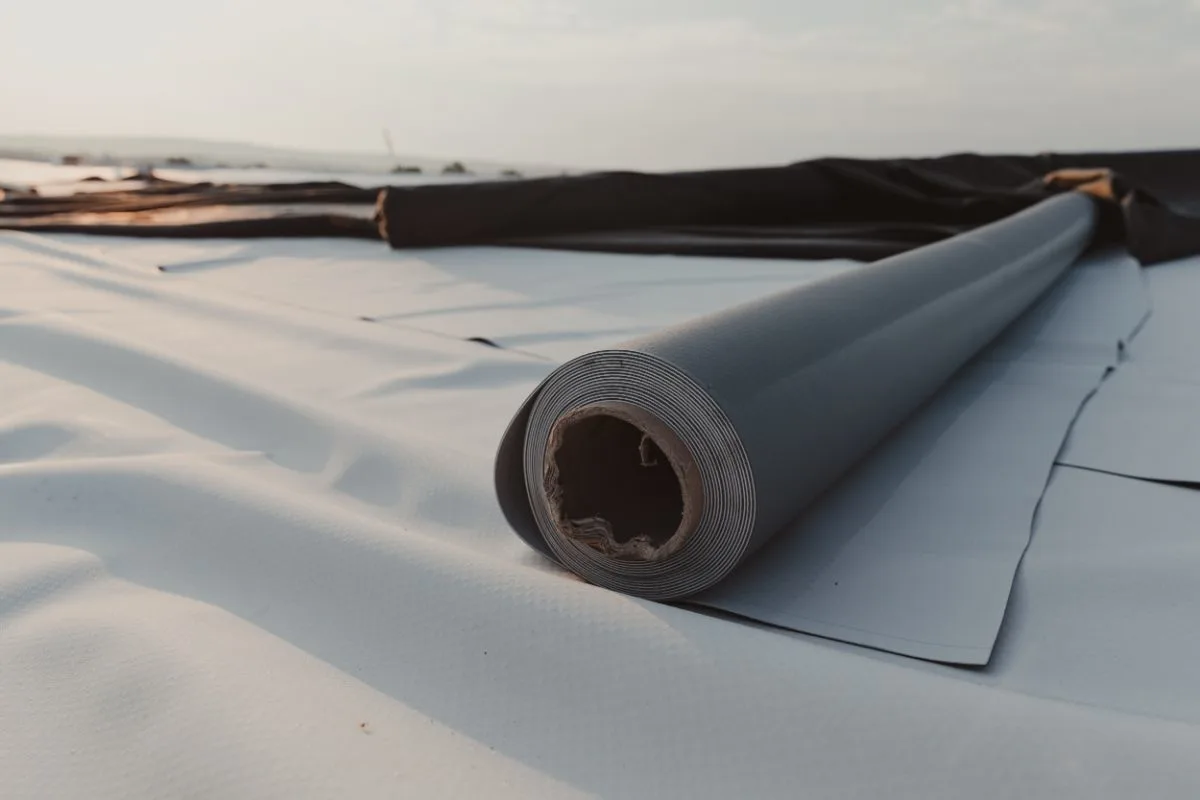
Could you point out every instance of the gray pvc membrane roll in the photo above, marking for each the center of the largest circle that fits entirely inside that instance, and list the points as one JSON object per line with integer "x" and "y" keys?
{"x": 659, "y": 467}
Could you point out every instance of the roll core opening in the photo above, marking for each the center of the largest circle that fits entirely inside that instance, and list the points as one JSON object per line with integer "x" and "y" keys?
{"x": 621, "y": 482}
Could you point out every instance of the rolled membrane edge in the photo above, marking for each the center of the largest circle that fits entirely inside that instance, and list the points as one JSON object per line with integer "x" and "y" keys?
{"x": 637, "y": 480}
{"x": 656, "y": 467}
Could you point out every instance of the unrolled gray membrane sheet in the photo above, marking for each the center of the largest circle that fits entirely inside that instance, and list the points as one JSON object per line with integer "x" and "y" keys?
{"x": 1104, "y": 609}
{"x": 1143, "y": 421}
{"x": 914, "y": 552}
{"x": 914, "y": 549}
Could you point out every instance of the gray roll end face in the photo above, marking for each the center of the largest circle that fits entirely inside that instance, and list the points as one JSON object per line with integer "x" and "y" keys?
{"x": 635, "y": 477}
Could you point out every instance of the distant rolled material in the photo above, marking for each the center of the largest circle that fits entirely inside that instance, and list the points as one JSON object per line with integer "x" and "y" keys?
{"x": 656, "y": 468}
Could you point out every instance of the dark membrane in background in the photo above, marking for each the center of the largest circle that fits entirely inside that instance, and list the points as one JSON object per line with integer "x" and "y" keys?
{"x": 863, "y": 209}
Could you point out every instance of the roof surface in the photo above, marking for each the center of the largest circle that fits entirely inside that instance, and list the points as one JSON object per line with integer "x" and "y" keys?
{"x": 251, "y": 549}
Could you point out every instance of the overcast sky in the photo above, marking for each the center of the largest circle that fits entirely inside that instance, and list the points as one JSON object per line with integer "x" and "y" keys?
{"x": 645, "y": 83}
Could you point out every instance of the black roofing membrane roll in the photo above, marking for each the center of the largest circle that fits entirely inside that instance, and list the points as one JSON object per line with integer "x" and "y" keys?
{"x": 660, "y": 467}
